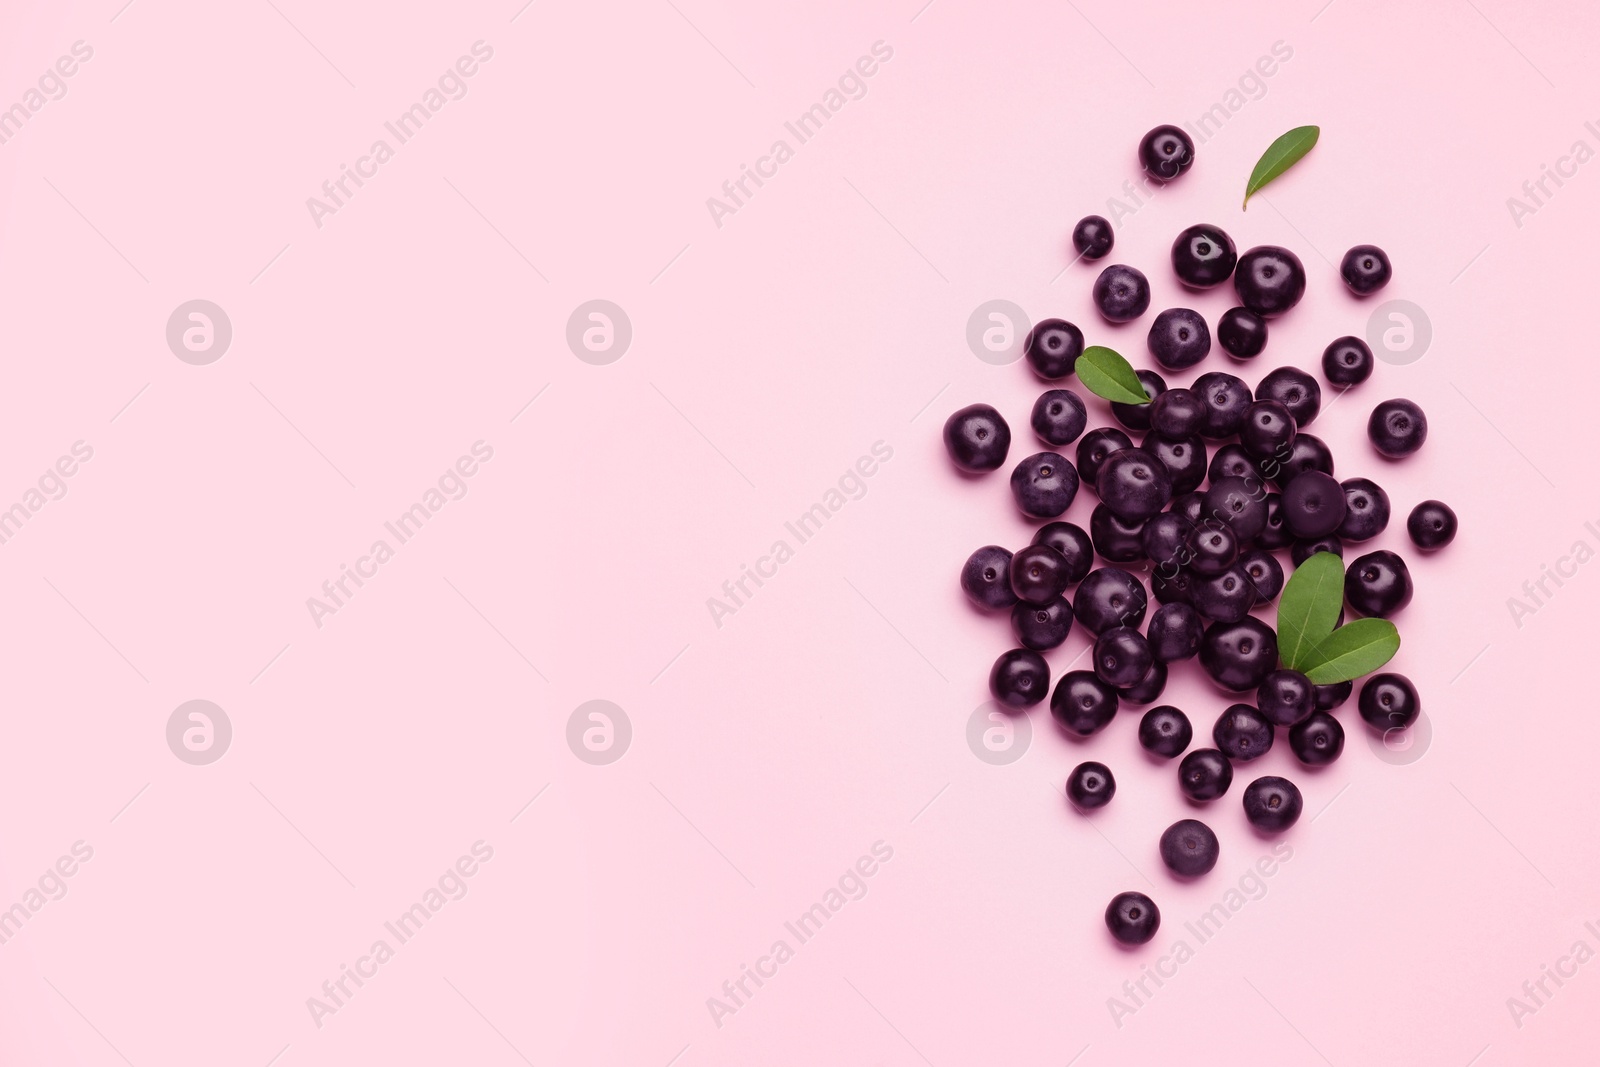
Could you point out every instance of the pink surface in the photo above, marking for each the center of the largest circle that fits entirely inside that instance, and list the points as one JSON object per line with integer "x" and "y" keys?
{"x": 823, "y": 723}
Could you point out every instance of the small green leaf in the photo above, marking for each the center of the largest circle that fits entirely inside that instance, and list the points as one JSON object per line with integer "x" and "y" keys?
{"x": 1280, "y": 155}
{"x": 1106, "y": 374}
{"x": 1309, "y": 608}
{"x": 1358, "y": 648}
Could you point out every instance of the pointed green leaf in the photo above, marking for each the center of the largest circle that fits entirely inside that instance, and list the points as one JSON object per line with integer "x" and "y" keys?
{"x": 1280, "y": 155}
{"x": 1358, "y": 648}
{"x": 1106, "y": 374}
{"x": 1309, "y": 608}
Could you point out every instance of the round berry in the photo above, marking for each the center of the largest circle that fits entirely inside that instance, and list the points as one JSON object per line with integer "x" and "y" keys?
{"x": 1095, "y": 446}
{"x": 1020, "y": 678}
{"x": 1274, "y": 534}
{"x": 1121, "y": 293}
{"x": 1226, "y": 598}
{"x": 1377, "y": 584}
{"x": 1213, "y": 548}
{"x": 1042, "y": 626}
{"x": 1044, "y": 484}
{"x": 1189, "y": 848}
{"x": 1179, "y": 338}
{"x": 1132, "y": 918}
{"x": 1204, "y": 774}
{"x": 1268, "y": 429}
{"x": 1431, "y": 525}
{"x": 1038, "y": 574}
{"x": 1059, "y": 416}
{"x": 1272, "y": 804}
{"x": 1053, "y": 347}
{"x": 1174, "y": 632}
{"x": 1239, "y": 502}
{"x": 1366, "y": 510}
{"x": 1190, "y": 505}
{"x": 1304, "y": 549}
{"x": 986, "y": 578}
{"x": 1114, "y": 537}
{"x": 1347, "y": 361}
{"x": 1295, "y": 390}
{"x": 1092, "y": 237}
{"x": 1165, "y": 731}
{"x": 1073, "y": 545}
{"x": 1313, "y": 505}
{"x": 1264, "y": 572}
{"x": 1203, "y": 256}
{"x": 1166, "y": 152}
{"x": 1242, "y": 333}
{"x": 1286, "y": 697}
{"x": 1365, "y": 269}
{"x": 1239, "y": 655}
{"x": 977, "y": 438}
{"x": 1173, "y": 585}
{"x": 1148, "y": 689}
{"x": 1166, "y": 538}
{"x": 1109, "y": 597}
{"x": 1389, "y": 702}
{"x": 1091, "y": 786}
{"x": 1331, "y": 696}
{"x": 1317, "y": 739}
{"x": 1137, "y": 416}
{"x": 1177, "y": 413}
{"x": 1122, "y": 656}
{"x": 1226, "y": 399}
{"x": 1184, "y": 458}
{"x": 1397, "y": 428}
{"x": 1242, "y": 733}
{"x": 1269, "y": 280}
{"x": 1308, "y": 452}
{"x": 1232, "y": 461}
{"x": 1082, "y": 703}
{"x": 1134, "y": 484}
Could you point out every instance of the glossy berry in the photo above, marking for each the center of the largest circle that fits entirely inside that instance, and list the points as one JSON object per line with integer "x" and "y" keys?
{"x": 1239, "y": 655}
{"x": 1114, "y": 537}
{"x": 1053, "y": 347}
{"x": 1042, "y": 626}
{"x": 1132, "y": 918}
{"x": 1347, "y": 361}
{"x": 1038, "y": 574}
{"x": 1179, "y": 338}
{"x": 1020, "y": 678}
{"x": 1232, "y": 461}
{"x": 1242, "y": 733}
{"x": 1213, "y": 549}
{"x": 1226, "y": 598}
{"x": 1331, "y": 696}
{"x": 977, "y": 438}
{"x": 1304, "y": 549}
{"x": 1091, "y": 786}
{"x": 1044, "y": 484}
{"x": 1317, "y": 739}
{"x": 1059, "y": 417}
{"x": 1121, "y": 293}
{"x": 1272, "y": 804}
{"x": 1189, "y": 848}
{"x": 1095, "y": 446}
{"x": 1286, "y": 697}
{"x": 1109, "y": 597}
{"x": 1377, "y": 584}
{"x": 1264, "y": 572}
{"x": 1166, "y": 152}
{"x": 1239, "y": 502}
{"x": 1389, "y": 702}
{"x": 1365, "y": 269}
{"x": 1137, "y": 416}
{"x": 1082, "y": 703}
{"x": 1366, "y": 510}
{"x": 1121, "y": 656}
{"x": 1431, "y": 525}
{"x": 1226, "y": 398}
{"x": 1274, "y": 534}
{"x": 1190, "y": 505}
{"x": 1073, "y": 545}
{"x": 1204, "y": 774}
{"x": 986, "y": 578}
{"x": 1242, "y": 333}
{"x": 1295, "y": 390}
{"x": 1134, "y": 484}
{"x": 1148, "y": 689}
{"x": 1267, "y": 430}
{"x": 1092, "y": 237}
{"x": 1269, "y": 280}
{"x": 1166, "y": 539}
{"x": 1177, "y": 413}
{"x": 1308, "y": 452}
{"x": 1313, "y": 505}
{"x": 1203, "y": 256}
{"x": 1397, "y": 428}
{"x": 1184, "y": 458}
{"x": 1174, "y": 632}
{"x": 1165, "y": 731}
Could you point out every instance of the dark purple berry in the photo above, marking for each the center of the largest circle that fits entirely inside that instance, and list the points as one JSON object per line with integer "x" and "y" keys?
{"x": 986, "y": 578}
{"x": 1177, "y": 413}
{"x": 1308, "y": 452}
{"x": 1317, "y": 739}
{"x": 1365, "y": 269}
{"x": 1239, "y": 502}
{"x": 1204, "y": 774}
{"x": 1431, "y": 525}
{"x": 1082, "y": 703}
{"x": 1109, "y": 597}
{"x": 1174, "y": 632}
{"x": 1303, "y": 550}
{"x": 1038, "y": 574}
{"x": 1347, "y": 361}
{"x": 1286, "y": 697}
{"x": 1389, "y": 702}
{"x": 1242, "y": 333}
{"x": 1212, "y": 549}
{"x": 1166, "y": 152}
{"x": 1121, "y": 656}
{"x": 1267, "y": 429}
{"x": 1166, "y": 539}
{"x": 1189, "y": 848}
{"x": 1226, "y": 598}
{"x": 1242, "y": 733}
{"x": 1095, "y": 446}
{"x": 1137, "y": 416}
{"x": 1132, "y": 918}
{"x": 1148, "y": 689}
{"x": 1179, "y": 338}
{"x": 1264, "y": 572}
{"x": 1073, "y": 544}
{"x": 1272, "y": 804}
{"x": 1313, "y": 505}
{"x": 1239, "y": 655}
{"x": 1366, "y": 510}
{"x": 1203, "y": 256}
{"x": 1232, "y": 461}
{"x": 1092, "y": 237}
{"x": 1184, "y": 458}
{"x": 977, "y": 438}
{"x": 1269, "y": 280}
{"x": 1397, "y": 428}
{"x": 1295, "y": 390}
{"x": 1121, "y": 293}
{"x": 1091, "y": 786}
{"x": 1059, "y": 417}
{"x": 1134, "y": 484}
{"x": 1115, "y": 538}
{"x": 1226, "y": 398}
{"x": 1053, "y": 347}
{"x": 1044, "y": 484}
{"x": 1274, "y": 534}
{"x": 1042, "y": 626}
{"x": 1377, "y": 584}
{"x": 1331, "y": 696}
{"x": 1020, "y": 678}
{"x": 1165, "y": 731}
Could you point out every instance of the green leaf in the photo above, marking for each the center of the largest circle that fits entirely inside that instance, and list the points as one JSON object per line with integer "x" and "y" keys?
{"x": 1106, "y": 374}
{"x": 1358, "y": 648}
{"x": 1309, "y": 608}
{"x": 1280, "y": 155}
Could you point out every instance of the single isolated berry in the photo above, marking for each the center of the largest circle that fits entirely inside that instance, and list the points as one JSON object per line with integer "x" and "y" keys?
{"x": 1272, "y": 804}
{"x": 1286, "y": 697}
{"x": 977, "y": 438}
{"x": 1431, "y": 525}
{"x": 1295, "y": 390}
{"x": 1317, "y": 739}
{"x": 986, "y": 578}
{"x": 1038, "y": 574}
{"x": 1389, "y": 702}
{"x": 1165, "y": 731}
{"x": 1109, "y": 597}
{"x": 1269, "y": 280}
{"x": 1053, "y": 347}
{"x": 1166, "y": 152}
{"x": 1137, "y": 416}
{"x": 1179, "y": 338}
{"x": 1174, "y": 632}
{"x": 1091, "y": 786}
{"x": 1365, "y": 269}
{"x": 1020, "y": 678}
{"x": 1059, "y": 416}
{"x": 1242, "y": 333}
{"x": 1397, "y": 428}
{"x": 1377, "y": 584}
{"x": 1082, "y": 703}
{"x": 1121, "y": 293}
{"x": 1072, "y": 543}
{"x": 1092, "y": 237}
{"x": 1313, "y": 505}
{"x": 1044, "y": 485}
{"x": 1122, "y": 656}
{"x": 1132, "y": 918}
{"x": 1226, "y": 398}
{"x": 1347, "y": 361}
{"x": 1148, "y": 689}
{"x": 1189, "y": 848}
{"x": 1042, "y": 626}
{"x": 1366, "y": 510}
{"x": 1177, "y": 413}
{"x": 1203, "y": 256}
{"x": 1239, "y": 655}
{"x": 1204, "y": 774}
{"x": 1095, "y": 446}
{"x": 1242, "y": 733}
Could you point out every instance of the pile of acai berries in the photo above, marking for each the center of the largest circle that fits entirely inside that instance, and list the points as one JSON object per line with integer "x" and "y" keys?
{"x": 1205, "y": 529}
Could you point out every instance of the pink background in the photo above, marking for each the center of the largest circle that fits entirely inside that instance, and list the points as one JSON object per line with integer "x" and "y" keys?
{"x": 829, "y": 713}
